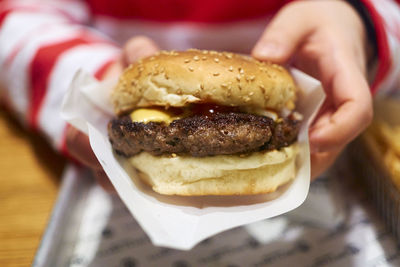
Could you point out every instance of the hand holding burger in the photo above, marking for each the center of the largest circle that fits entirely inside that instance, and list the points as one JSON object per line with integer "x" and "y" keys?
{"x": 332, "y": 47}
{"x": 77, "y": 143}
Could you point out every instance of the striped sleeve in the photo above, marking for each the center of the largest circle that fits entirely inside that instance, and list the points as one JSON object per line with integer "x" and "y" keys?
{"x": 42, "y": 44}
{"x": 385, "y": 16}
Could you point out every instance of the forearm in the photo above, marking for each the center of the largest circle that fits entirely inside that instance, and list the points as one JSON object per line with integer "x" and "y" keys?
{"x": 41, "y": 47}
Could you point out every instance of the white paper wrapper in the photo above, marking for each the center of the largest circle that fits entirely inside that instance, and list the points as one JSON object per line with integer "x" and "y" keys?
{"x": 182, "y": 222}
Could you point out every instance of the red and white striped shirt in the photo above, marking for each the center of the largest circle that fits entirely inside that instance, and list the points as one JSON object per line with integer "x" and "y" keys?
{"x": 44, "y": 42}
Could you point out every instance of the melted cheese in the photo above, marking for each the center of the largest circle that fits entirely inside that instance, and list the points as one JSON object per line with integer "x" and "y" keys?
{"x": 148, "y": 114}
{"x": 268, "y": 113}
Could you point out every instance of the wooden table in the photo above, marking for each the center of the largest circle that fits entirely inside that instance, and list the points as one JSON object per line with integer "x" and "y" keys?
{"x": 30, "y": 174}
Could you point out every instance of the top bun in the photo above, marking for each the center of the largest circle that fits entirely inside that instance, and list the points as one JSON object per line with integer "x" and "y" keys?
{"x": 193, "y": 76}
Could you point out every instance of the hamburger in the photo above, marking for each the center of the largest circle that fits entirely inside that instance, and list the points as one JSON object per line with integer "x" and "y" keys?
{"x": 206, "y": 123}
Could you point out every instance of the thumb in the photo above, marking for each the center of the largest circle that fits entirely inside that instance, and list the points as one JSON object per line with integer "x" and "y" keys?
{"x": 283, "y": 35}
{"x": 136, "y": 48}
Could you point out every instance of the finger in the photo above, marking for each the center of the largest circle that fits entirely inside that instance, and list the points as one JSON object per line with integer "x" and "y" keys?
{"x": 348, "y": 106}
{"x": 283, "y": 35}
{"x": 321, "y": 161}
{"x": 103, "y": 180}
{"x": 79, "y": 147}
{"x": 136, "y": 48}
{"x": 349, "y": 114}
{"x": 114, "y": 70}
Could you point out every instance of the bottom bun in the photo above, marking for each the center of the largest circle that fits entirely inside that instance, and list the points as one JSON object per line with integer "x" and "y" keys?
{"x": 257, "y": 173}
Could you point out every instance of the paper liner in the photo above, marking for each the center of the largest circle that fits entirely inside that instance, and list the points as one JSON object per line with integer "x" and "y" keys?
{"x": 182, "y": 222}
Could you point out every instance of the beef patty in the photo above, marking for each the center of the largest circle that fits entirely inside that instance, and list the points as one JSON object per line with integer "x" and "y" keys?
{"x": 202, "y": 135}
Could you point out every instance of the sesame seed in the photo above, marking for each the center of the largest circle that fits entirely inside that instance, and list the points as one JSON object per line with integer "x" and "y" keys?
{"x": 187, "y": 60}
{"x": 205, "y": 52}
{"x": 152, "y": 58}
{"x": 252, "y": 77}
{"x": 224, "y": 85}
{"x": 204, "y": 58}
{"x": 230, "y": 68}
{"x": 228, "y": 55}
{"x": 216, "y": 73}
{"x": 173, "y": 155}
{"x": 196, "y": 58}
{"x": 156, "y": 65}
{"x": 216, "y": 60}
{"x": 241, "y": 71}
{"x": 251, "y": 93}
{"x": 190, "y": 68}
{"x": 238, "y": 78}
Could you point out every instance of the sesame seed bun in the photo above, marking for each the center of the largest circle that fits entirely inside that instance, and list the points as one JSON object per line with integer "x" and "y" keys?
{"x": 194, "y": 76}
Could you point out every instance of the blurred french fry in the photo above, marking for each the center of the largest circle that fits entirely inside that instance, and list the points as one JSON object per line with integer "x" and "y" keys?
{"x": 392, "y": 163}
{"x": 385, "y": 137}
{"x": 374, "y": 131}
{"x": 391, "y": 137}
{"x": 378, "y": 158}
